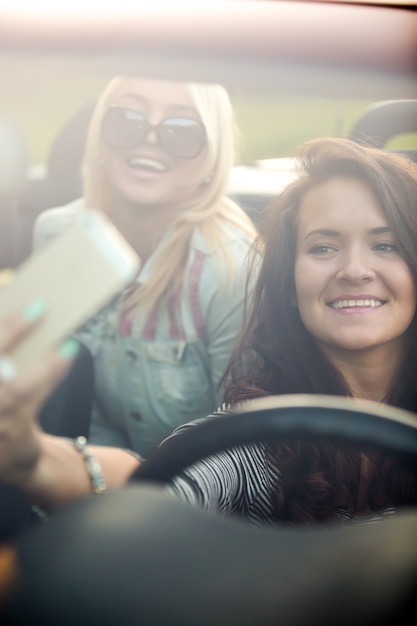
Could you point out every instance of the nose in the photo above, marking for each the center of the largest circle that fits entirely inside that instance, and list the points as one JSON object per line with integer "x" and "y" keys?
{"x": 355, "y": 267}
{"x": 150, "y": 135}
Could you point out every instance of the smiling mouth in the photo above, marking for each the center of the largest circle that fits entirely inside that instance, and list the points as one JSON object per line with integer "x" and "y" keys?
{"x": 349, "y": 304}
{"x": 149, "y": 165}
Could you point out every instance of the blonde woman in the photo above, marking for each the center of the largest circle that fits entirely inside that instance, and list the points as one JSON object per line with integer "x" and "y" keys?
{"x": 157, "y": 161}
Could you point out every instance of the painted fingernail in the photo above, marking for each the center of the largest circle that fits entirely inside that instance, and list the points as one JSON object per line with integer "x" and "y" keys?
{"x": 34, "y": 310}
{"x": 69, "y": 349}
{"x": 7, "y": 369}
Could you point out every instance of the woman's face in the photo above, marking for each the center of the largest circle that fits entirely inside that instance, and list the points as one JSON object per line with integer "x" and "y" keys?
{"x": 145, "y": 175}
{"x": 354, "y": 291}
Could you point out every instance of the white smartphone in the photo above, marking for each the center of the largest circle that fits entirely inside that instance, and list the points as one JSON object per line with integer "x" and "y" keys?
{"x": 75, "y": 274}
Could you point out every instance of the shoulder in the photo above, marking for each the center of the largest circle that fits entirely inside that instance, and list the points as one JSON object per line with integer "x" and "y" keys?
{"x": 53, "y": 221}
{"x": 221, "y": 263}
{"x": 220, "y": 412}
{"x": 252, "y": 456}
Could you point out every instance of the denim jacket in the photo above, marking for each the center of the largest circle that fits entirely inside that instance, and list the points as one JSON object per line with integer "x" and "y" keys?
{"x": 161, "y": 370}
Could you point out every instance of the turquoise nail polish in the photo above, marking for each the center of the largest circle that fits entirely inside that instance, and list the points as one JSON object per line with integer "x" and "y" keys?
{"x": 34, "y": 310}
{"x": 69, "y": 349}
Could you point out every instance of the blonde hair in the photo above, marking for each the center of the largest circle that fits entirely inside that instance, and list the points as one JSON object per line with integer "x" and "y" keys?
{"x": 211, "y": 210}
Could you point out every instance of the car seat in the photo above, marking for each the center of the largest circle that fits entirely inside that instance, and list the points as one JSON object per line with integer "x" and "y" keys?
{"x": 13, "y": 170}
{"x": 62, "y": 182}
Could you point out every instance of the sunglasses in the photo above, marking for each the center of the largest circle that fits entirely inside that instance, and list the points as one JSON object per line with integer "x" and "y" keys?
{"x": 182, "y": 137}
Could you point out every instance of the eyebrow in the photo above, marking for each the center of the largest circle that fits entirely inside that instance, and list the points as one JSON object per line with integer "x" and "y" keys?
{"x": 144, "y": 99}
{"x": 327, "y": 232}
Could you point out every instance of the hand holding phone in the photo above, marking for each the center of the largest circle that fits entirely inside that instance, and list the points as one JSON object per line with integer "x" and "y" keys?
{"x": 75, "y": 274}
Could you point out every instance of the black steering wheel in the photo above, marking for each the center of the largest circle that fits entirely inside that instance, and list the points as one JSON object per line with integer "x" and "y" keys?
{"x": 290, "y": 416}
{"x": 138, "y": 551}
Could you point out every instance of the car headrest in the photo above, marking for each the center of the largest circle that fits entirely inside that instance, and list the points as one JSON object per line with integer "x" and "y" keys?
{"x": 385, "y": 120}
{"x": 67, "y": 150}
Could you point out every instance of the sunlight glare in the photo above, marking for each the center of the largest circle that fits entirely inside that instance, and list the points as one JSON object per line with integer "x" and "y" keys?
{"x": 83, "y": 7}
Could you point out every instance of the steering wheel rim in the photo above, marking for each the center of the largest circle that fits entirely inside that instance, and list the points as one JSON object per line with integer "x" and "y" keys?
{"x": 294, "y": 415}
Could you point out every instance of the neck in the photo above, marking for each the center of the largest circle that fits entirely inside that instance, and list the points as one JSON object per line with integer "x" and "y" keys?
{"x": 369, "y": 374}
{"x": 142, "y": 227}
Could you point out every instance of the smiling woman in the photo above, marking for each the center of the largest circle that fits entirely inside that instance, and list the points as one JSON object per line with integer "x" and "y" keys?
{"x": 333, "y": 312}
{"x": 354, "y": 289}
{"x": 343, "y": 231}
{"x": 157, "y": 161}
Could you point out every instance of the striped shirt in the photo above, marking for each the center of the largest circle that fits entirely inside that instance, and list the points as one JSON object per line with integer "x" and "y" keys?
{"x": 242, "y": 481}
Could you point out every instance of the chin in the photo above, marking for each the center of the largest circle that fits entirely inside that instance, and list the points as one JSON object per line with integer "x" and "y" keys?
{"x": 359, "y": 346}
{"x": 350, "y": 343}
{"x": 141, "y": 199}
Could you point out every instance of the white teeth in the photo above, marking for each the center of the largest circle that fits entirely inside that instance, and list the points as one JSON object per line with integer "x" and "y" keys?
{"x": 345, "y": 304}
{"x": 148, "y": 164}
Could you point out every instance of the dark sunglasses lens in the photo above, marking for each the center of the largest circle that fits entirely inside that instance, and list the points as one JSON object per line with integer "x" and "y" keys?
{"x": 123, "y": 128}
{"x": 182, "y": 137}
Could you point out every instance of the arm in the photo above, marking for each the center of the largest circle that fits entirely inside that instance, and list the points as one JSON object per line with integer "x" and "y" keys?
{"x": 48, "y": 469}
{"x": 60, "y": 475}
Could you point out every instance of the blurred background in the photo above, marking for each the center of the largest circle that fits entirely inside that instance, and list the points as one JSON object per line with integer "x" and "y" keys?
{"x": 41, "y": 99}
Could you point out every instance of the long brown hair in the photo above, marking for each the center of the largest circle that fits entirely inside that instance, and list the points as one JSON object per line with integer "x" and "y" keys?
{"x": 277, "y": 355}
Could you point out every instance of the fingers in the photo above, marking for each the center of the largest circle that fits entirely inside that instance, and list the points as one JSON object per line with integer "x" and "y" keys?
{"x": 34, "y": 385}
{"x": 12, "y": 330}
{"x": 28, "y": 389}
{"x": 23, "y": 393}
{"x": 7, "y": 369}
{"x": 15, "y": 327}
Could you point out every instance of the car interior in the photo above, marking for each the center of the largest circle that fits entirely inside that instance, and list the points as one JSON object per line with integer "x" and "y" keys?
{"x": 61, "y": 182}
{"x": 226, "y": 571}
{"x": 164, "y": 562}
